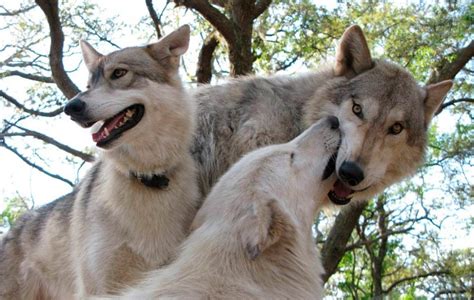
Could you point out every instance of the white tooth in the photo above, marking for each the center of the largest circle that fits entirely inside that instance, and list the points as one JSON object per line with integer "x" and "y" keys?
{"x": 95, "y": 128}
{"x": 130, "y": 113}
{"x": 106, "y": 131}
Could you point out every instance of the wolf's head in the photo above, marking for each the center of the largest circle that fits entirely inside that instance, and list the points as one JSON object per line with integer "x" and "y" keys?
{"x": 384, "y": 116}
{"x": 292, "y": 180}
{"x": 275, "y": 189}
{"x": 135, "y": 99}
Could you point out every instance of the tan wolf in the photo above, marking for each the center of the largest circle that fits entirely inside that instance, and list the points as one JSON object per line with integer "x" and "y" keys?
{"x": 135, "y": 206}
{"x": 384, "y": 116}
{"x": 252, "y": 237}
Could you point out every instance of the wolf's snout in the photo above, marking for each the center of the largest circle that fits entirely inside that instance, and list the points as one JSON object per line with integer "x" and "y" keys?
{"x": 75, "y": 108}
{"x": 333, "y": 122}
{"x": 351, "y": 173}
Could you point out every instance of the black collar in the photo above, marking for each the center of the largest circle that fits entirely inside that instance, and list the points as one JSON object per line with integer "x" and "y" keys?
{"x": 158, "y": 181}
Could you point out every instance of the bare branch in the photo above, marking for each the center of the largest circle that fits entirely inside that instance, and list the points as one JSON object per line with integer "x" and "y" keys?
{"x": 204, "y": 65}
{"x": 28, "y": 162}
{"x": 15, "y": 102}
{"x": 211, "y": 14}
{"x": 65, "y": 84}
{"x": 366, "y": 242}
{"x": 452, "y": 102}
{"x": 91, "y": 30}
{"x": 434, "y": 273}
{"x": 154, "y": 16}
{"x": 26, "y": 132}
{"x": 451, "y": 291}
{"x": 34, "y": 77}
{"x": 8, "y": 13}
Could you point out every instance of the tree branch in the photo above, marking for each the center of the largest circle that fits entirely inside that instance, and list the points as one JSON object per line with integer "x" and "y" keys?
{"x": 448, "y": 70}
{"x": 8, "y": 13}
{"x": 154, "y": 16}
{"x": 260, "y": 7}
{"x": 211, "y": 14}
{"x": 204, "y": 65}
{"x": 434, "y": 273}
{"x": 84, "y": 156}
{"x": 335, "y": 245}
{"x": 24, "y": 159}
{"x": 65, "y": 84}
{"x": 452, "y": 291}
{"x": 450, "y": 103}
{"x": 15, "y": 102}
{"x": 39, "y": 78}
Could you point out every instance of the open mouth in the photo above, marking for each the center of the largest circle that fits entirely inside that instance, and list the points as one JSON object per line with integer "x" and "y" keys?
{"x": 330, "y": 167}
{"x": 118, "y": 124}
{"x": 340, "y": 193}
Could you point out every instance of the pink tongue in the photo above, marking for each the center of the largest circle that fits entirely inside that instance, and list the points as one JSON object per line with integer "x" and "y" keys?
{"x": 110, "y": 125}
{"x": 341, "y": 190}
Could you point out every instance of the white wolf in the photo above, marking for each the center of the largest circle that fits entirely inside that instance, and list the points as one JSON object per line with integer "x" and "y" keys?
{"x": 252, "y": 237}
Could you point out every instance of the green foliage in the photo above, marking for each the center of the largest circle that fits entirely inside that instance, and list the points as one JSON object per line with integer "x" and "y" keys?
{"x": 14, "y": 208}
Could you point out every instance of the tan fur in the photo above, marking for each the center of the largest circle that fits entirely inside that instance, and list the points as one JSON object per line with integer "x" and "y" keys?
{"x": 253, "y": 235}
{"x": 112, "y": 228}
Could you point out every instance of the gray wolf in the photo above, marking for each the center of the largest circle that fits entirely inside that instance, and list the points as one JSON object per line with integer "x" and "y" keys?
{"x": 384, "y": 117}
{"x": 252, "y": 238}
{"x": 134, "y": 207}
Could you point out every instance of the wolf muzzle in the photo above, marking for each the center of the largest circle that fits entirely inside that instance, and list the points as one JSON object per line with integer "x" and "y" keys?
{"x": 75, "y": 108}
{"x": 351, "y": 173}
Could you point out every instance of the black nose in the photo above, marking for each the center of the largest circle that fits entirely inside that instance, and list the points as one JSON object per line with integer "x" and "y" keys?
{"x": 333, "y": 122}
{"x": 75, "y": 108}
{"x": 351, "y": 173}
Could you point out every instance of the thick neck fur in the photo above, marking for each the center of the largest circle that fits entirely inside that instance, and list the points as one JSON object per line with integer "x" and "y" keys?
{"x": 288, "y": 270}
{"x": 159, "y": 144}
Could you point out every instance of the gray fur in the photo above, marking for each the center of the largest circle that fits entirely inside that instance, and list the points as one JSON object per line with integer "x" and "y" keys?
{"x": 249, "y": 112}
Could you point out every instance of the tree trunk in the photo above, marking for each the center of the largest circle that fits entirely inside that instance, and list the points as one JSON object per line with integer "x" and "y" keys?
{"x": 335, "y": 245}
{"x": 204, "y": 65}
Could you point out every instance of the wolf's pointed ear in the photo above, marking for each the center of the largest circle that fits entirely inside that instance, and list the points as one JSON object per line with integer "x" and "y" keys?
{"x": 435, "y": 94}
{"x": 171, "y": 46}
{"x": 89, "y": 54}
{"x": 352, "y": 53}
{"x": 265, "y": 223}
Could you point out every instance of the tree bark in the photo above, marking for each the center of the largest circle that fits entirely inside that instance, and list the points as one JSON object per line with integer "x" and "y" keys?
{"x": 448, "y": 70}
{"x": 204, "y": 65}
{"x": 236, "y": 29}
{"x": 334, "y": 247}
{"x": 51, "y": 10}
{"x": 378, "y": 259}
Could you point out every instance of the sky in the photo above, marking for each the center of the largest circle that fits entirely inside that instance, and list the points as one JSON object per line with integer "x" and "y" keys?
{"x": 17, "y": 176}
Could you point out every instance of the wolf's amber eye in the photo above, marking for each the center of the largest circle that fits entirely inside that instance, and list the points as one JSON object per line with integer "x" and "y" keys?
{"x": 357, "y": 109}
{"x": 117, "y": 73}
{"x": 395, "y": 129}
